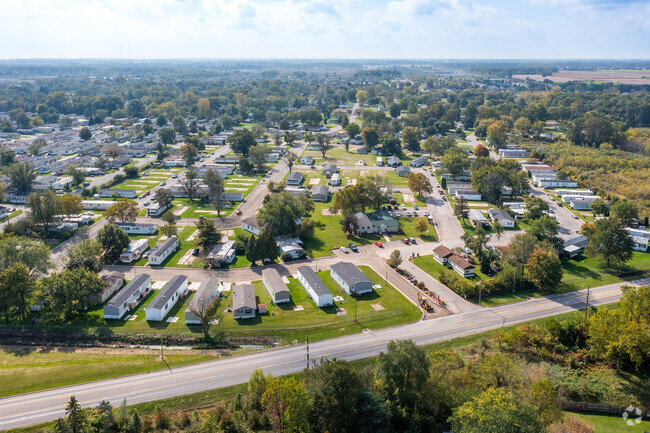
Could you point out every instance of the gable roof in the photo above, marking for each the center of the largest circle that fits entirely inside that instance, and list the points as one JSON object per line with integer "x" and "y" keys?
{"x": 314, "y": 281}
{"x": 442, "y": 251}
{"x": 168, "y": 291}
{"x": 461, "y": 262}
{"x": 159, "y": 250}
{"x": 243, "y": 296}
{"x": 350, "y": 273}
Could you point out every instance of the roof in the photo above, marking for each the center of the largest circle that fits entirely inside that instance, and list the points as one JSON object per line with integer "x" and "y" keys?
{"x": 461, "y": 262}
{"x": 147, "y": 225}
{"x": 243, "y": 296}
{"x": 251, "y": 221}
{"x": 350, "y": 273}
{"x": 382, "y": 217}
{"x": 404, "y": 168}
{"x": 128, "y": 290}
{"x": 314, "y": 281}
{"x": 158, "y": 251}
{"x": 205, "y": 293}
{"x": 221, "y": 250}
{"x": 442, "y": 251}
{"x": 112, "y": 277}
{"x": 274, "y": 280}
{"x": 499, "y": 214}
{"x": 477, "y": 215}
{"x": 320, "y": 189}
{"x": 168, "y": 291}
{"x": 296, "y": 175}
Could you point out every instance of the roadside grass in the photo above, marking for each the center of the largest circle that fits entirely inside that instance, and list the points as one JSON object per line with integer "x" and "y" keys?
{"x": 39, "y": 369}
{"x": 604, "y": 423}
{"x": 407, "y": 224}
{"x": 12, "y": 215}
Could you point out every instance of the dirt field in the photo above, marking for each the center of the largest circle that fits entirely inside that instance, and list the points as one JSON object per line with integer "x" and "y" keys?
{"x": 622, "y": 76}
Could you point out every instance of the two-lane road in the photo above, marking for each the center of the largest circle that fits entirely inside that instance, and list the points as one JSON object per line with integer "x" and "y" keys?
{"x": 38, "y": 407}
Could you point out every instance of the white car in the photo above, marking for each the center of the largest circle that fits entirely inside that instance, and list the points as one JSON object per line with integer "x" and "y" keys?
{"x": 344, "y": 249}
{"x": 397, "y": 191}
{"x": 426, "y": 213}
{"x": 403, "y": 207}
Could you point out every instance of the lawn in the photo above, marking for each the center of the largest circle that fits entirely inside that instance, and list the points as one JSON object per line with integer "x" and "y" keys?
{"x": 338, "y": 155}
{"x": 604, "y": 423}
{"x": 49, "y": 368}
{"x": 408, "y": 227}
{"x": 319, "y": 323}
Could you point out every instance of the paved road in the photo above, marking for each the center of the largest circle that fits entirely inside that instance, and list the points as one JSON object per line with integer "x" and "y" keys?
{"x": 568, "y": 223}
{"x": 38, "y": 407}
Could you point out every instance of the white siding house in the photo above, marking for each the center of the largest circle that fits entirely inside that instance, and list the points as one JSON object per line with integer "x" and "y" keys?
{"x": 162, "y": 251}
{"x": 166, "y": 299}
{"x": 350, "y": 278}
{"x": 315, "y": 287}
{"x": 128, "y": 297}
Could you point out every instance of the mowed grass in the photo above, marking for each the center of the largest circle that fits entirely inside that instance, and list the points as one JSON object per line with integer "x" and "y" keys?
{"x": 604, "y": 423}
{"x": 28, "y": 370}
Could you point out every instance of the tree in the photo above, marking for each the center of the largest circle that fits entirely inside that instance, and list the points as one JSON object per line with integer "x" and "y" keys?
{"x": 123, "y": 210}
{"x": 32, "y": 253}
{"x": 216, "y": 188}
{"x": 203, "y": 106}
{"x": 179, "y": 124}
{"x": 135, "y": 108}
{"x": 350, "y": 224}
{"x": 266, "y": 245}
{"x": 290, "y": 137}
{"x": 114, "y": 240}
{"x": 35, "y": 147}
{"x": 16, "y": 286}
{"x": 353, "y": 129}
{"x": 43, "y": 207}
{"x": 481, "y": 150}
{"x": 284, "y": 125}
{"x": 545, "y": 229}
{"x": 497, "y": 133}
{"x": 135, "y": 423}
{"x": 370, "y": 137}
{"x": 419, "y": 183}
{"x": 411, "y": 138}
{"x": 422, "y": 225}
{"x": 395, "y": 111}
{"x": 245, "y": 166}
{"x": 524, "y": 125}
{"x": 289, "y": 159}
{"x": 70, "y": 205}
{"x": 286, "y": 403}
{"x": 189, "y": 153}
{"x": 599, "y": 207}
{"x": 205, "y": 308}
{"x": 191, "y": 183}
{"x": 454, "y": 162}
{"x": 281, "y": 212}
{"x": 535, "y": 208}
{"x": 21, "y": 177}
{"x": 208, "y": 235}
{"x": 390, "y": 145}
{"x": 241, "y": 141}
{"x": 395, "y": 259}
{"x": 610, "y": 242}
{"x": 476, "y": 242}
{"x": 625, "y": 210}
{"x": 167, "y": 136}
{"x": 495, "y": 410}
{"x": 490, "y": 181}
{"x": 323, "y": 143}
{"x": 366, "y": 193}
{"x": 362, "y": 96}
{"x": 85, "y": 134}
{"x": 85, "y": 254}
{"x": 252, "y": 251}
{"x": 461, "y": 209}
{"x": 161, "y": 121}
{"x": 78, "y": 176}
{"x": 164, "y": 197}
{"x": 64, "y": 296}
{"x": 544, "y": 269}
{"x": 258, "y": 156}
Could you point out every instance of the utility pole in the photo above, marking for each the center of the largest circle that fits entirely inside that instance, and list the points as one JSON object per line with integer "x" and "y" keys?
{"x": 587, "y": 303}
{"x": 162, "y": 355}
{"x": 307, "y": 353}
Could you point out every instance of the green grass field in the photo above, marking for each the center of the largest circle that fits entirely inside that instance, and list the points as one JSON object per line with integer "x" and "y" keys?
{"x": 604, "y": 423}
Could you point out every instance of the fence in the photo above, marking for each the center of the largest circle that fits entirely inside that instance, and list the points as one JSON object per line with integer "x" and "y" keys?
{"x": 580, "y": 406}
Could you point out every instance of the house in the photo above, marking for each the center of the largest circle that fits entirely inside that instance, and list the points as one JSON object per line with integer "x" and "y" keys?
{"x": 392, "y": 161}
{"x": 477, "y": 218}
{"x": 574, "y": 245}
{"x": 119, "y": 161}
{"x": 350, "y": 278}
{"x": 276, "y": 287}
{"x": 119, "y": 193}
{"x": 128, "y": 297}
{"x": 156, "y": 209}
{"x": 290, "y": 246}
{"x": 335, "y": 180}
{"x": 114, "y": 281}
{"x": 580, "y": 192}
{"x": 137, "y": 228}
{"x": 419, "y": 162}
{"x": 163, "y": 250}
{"x": 568, "y": 198}
{"x": 462, "y": 266}
{"x": 314, "y": 286}
{"x": 502, "y": 217}
{"x": 380, "y": 161}
{"x": 465, "y": 176}
{"x": 80, "y": 220}
{"x": 452, "y": 187}
{"x": 320, "y": 193}
{"x": 307, "y": 159}
{"x": 379, "y": 221}
{"x": 468, "y": 194}
{"x": 514, "y": 153}
{"x": 403, "y": 171}
{"x": 166, "y": 298}
{"x": 251, "y": 225}
{"x": 441, "y": 254}
{"x": 134, "y": 250}
{"x": 243, "y": 301}
{"x": 222, "y": 253}
{"x": 96, "y": 204}
{"x": 640, "y": 237}
{"x": 204, "y": 295}
{"x": 294, "y": 178}
{"x": 174, "y": 162}
{"x": 329, "y": 169}
{"x": 581, "y": 204}
{"x": 546, "y": 182}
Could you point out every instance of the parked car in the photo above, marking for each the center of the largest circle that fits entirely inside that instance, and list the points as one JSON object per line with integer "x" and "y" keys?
{"x": 397, "y": 214}
{"x": 147, "y": 203}
{"x": 174, "y": 176}
{"x": 163, "y": 183}
{"x": 426, "y": 213}
{"x": 389, "y": 207}
{"x": 444, "y": 198}
{"x": 575, "y": 216}
{"x": 405, "y": 240}
{"x": 353, "y": 247}
{"x": 147, "y": 193}
{"x": 412, "y": 240}
{"x": 383, "y": 208}
{"x": 403, "y": 207}
{"x": 397, "y": 191}
{"x": 195, "y": 252}
{"x": 408, "y": 214}
{"x": 345, "y": 250}
{"x": 415, "y": 213}
{"x": 416, "y": 207}
{"x": 379, "y": 244}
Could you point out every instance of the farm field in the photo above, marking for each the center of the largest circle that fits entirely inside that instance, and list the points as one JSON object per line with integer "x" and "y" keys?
{"x": 622, "y": 76}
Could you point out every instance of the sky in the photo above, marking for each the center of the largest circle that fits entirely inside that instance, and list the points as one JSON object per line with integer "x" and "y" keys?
{"x": 338, "y": 29}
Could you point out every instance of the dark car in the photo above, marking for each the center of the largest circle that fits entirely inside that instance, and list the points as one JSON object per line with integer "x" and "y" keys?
{"x": 383, "y": 208}
{"x": 195, "y": 252}
{"x": 389, "y": 207}
{"x": 353, "y": 247}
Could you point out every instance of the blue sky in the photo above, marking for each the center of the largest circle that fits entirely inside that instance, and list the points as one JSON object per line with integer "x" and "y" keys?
{"x": 438, "y": 29}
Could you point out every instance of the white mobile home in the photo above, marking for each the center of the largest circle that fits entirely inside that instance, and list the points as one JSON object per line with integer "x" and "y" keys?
{"x": 314, "y": 286}
{"x": 350, "y": 278}
{"x": 204, "y": 295}
{"x": 163, "y": 250}
{"x": 167, "y": 298}
{"x": 276, "y": 287}
{"x": 134, "y": 250}
{"x": 137, "y": 228}
{"x": 128, "y": 297}
{"x": 244, "y": 304}
{"x": 114, "y": 282}
{"x": 96, "y": 204}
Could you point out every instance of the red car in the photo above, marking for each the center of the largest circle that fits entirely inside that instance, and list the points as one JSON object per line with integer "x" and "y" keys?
{"x": 379, "y": 244}
{"x": 405, "y": 240}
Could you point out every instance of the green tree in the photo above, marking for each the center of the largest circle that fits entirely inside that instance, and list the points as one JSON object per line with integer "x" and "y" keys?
{"x": 324, "y": 145}
{"x": 395, "y": 259}
{"x": 395, "y": 111}
{"x": 179, "y": 124}
{"x": 353, "y": 129}
{"x": 599, "y": 207}
{"x": 167, "y": 136}
{"x": 286, "y": 403}
{"x": 252, "y": 251}
{"x": 131, "y": 171}
{"x": 85, "y": 254}
{"x": 123, "y": 210}
{"x": 64, "y": 296}
{"x": 32, "y": 253}
{"x": 422, "y": 225}
{"x": 189, "y": 153}
{"x": 205, "y": 308}
{"x": 266, "y": 245}
{"x": 208, "y": 235}
{"x": 610, "y": 242}
{"x": 370, "y": 137}
{"x": 497, "y": 133}
{"x": 476, "y": 242}
{"x": 135, "y": 108}
{"x": 281, "y": 212}
{"x": 545, "y": 228}
{"x": 135, "y": 424}
{"x": 70, "y": 205}
{"x": 495, "y": 410}
{"x": 350, "y": 224}
{"x": 35, "y": 147}
{"x": 258, "y": 156}
{"x": 114, "y": 240}
{"x": 625, "y": 210}
{"x": 524, "y": 125}
{"x": 535, "y": 208}
{"x": 161, "y": 121}
{"x": 85, "y": 134}
{"x": 164, "y": 197}
{"x": 241, "y": 141}
{"x": 454, "y": 162}
{"x": 411, "y": 138}
{"x": 190, "y": 183}
{"x": 43, "y": 207}
{"x": 290, "y": 159}
{"x": 418, "y": 182}
{"x": 461, "y": 209}
{"x": 78, "y": 176}
{"x": 216, "y": 188}
{"x": 544, "y": 269}
{"x": 16, "y": 287}
{"x": 490, "y": 181}
{"x": 21, "y": 177}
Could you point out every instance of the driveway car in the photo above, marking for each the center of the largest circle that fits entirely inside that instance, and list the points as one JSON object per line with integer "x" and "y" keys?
{"x": 379, "y": 244}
